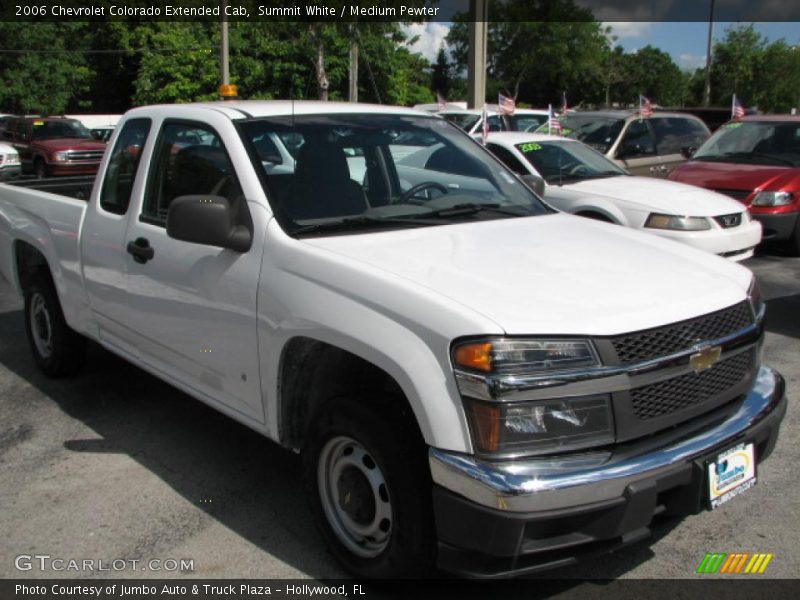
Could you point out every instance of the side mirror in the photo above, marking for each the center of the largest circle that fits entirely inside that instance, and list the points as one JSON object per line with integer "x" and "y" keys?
{"x": 688, "y": 151}
{"x": 206, "y": 220}
{"x": 534, "y": 182}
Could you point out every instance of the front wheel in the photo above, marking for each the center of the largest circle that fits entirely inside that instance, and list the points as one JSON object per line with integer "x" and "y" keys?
{"x": 370, "y": 490}
{"x": 40, "y": 169}
{"x": 57, "y": 349}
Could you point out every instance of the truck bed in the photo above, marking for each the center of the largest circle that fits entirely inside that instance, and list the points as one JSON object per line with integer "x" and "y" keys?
{"x": 79, "y": 187}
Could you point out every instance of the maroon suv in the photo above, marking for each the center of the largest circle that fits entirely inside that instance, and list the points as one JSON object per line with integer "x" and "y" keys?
{"x": 54, "y": 146}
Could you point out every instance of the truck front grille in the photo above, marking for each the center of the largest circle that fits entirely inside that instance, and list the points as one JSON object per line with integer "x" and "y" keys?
{"x": 662, "y": 341}
{"x": 671, "y": 395}
{"x": 95, "y": 155}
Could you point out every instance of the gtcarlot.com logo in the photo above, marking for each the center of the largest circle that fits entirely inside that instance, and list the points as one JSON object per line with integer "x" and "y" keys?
{"x": 736, "y": 563}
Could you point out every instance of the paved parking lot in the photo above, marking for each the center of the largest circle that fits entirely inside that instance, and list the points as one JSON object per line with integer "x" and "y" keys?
{"x": 115, "y": 464}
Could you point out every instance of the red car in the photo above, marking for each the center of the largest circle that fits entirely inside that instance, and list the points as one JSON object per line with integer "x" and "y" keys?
{"x": 757, "y": 161}
{"x": 54, "y": 146}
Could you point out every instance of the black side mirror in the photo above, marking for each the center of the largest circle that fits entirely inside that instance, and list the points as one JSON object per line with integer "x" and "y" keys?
{"x": 534, "y": 182}
{"x": 688, "y": 151}
{"x": 208, "y": 220}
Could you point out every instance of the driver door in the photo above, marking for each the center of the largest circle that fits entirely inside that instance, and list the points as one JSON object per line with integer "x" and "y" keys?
{"x": 636, "y": 151}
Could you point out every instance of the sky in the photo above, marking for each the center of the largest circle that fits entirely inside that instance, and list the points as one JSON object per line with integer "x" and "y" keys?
{"x": 685, "y": 41}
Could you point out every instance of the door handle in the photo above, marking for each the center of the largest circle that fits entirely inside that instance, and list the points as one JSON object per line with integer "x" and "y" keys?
{"x": 141, "y": 250}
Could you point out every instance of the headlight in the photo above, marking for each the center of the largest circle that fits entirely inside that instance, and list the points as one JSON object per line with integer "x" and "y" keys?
{"x": 536, "y": 426}
{"x": 525, "y": 356}
{"x": 756, "y": 302}
{"x": 60, "y": 156}
{"x": 773, "y": 199}
{"x": 659, "y": 221}
{"x": 506, "y": 429}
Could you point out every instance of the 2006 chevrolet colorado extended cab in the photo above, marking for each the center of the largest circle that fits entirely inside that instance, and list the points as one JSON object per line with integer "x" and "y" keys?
{"x": 473, "y": 380}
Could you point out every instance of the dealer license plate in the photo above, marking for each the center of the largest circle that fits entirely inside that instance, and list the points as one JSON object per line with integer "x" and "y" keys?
{"x": 732, "y": 473}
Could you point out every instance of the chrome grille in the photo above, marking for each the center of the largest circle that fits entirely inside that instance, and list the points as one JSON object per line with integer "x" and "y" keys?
{"x": 735, "y": 194}
{"x": 729, "y": 221}
{"x": 85, "y": 155}
{"x": 661, "y": 341}
{"x": 671, "y": 395}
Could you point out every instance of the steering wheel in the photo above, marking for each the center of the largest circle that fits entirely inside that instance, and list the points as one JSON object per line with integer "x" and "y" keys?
{"x": 578, "y": 169}
{"x": 406, "y": 196}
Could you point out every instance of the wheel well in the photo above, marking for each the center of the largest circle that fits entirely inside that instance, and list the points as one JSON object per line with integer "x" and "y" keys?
{"x": 597, "y": 216}
{"x": 30, "y": 264}
{"x": 313, "y": 373}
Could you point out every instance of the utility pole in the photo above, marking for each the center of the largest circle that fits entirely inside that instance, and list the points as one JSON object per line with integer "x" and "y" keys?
{"x": 352, "y": 93}
{"x": 707, "y": 87}
{"x": 226, "y": 90}
{"x": 476, "y": 61}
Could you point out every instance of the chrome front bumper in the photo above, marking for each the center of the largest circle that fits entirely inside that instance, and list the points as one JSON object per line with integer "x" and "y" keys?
{"x": 551, "y": 483}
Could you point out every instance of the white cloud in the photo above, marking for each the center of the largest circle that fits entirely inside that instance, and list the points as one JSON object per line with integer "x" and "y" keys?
{"x": 431, "y": 36}
{"x": 629, "y": 29}
{"x": 691, "y": 61}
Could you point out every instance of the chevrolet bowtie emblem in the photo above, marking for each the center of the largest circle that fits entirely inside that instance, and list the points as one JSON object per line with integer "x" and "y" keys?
{"x": 705, "y": 358}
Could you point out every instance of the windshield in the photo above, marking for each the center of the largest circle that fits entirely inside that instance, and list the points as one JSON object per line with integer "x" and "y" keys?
{"x": 464, "y": 120}
{"x": 765, "y": 142}
{"x": 43, "y": 130}
{"x": 526, "y": 122}
{"x": 359, "y": 172}
{"x": 597, "y": 132}
{"x": 561, "y": 161}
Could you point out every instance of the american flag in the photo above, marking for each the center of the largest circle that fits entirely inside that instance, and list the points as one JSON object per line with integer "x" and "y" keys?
{"x": 564, "y": 106}
{"x": 645, "y": 108}
{"x": 506, "y": 105}
{"x": 737, "y": 110}
{"x": 485, "y": 129}
{"x": 440, "y": 101}
{"x": 553, "y": 124}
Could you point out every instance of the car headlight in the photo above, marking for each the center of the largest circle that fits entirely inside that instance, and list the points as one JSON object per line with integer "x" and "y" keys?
{"x": 773, "y": 199}
{"x": 756, "y": 301}
{"x": 674, "y": 222}
{"x": 60, "y": 156}
{"x": 536, "y": 426}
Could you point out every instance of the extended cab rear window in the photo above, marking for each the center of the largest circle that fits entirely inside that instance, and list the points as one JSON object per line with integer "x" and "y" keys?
{"x": 123, "y": 164}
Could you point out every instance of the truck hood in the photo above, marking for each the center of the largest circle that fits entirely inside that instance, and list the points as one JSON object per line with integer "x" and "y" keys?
{"x": 657, "y": 195}
{"x": 554, "y": 274}
{"x": 62, "y": 144}
{"x": 735, "y": 176}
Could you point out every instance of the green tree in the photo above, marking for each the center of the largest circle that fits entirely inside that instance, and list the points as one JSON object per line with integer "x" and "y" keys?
{"x": 538, "y": 48}
{"x": 440, "y": 73}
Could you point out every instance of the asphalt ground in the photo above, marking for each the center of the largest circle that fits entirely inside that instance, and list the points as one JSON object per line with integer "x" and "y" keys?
{"x": 114, "y": 464}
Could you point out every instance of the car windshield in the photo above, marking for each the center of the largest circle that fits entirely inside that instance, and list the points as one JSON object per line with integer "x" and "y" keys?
{"x": 562, "y": 161}
{"x": 357, "y": 172}
{"x": 464, "y": 120}
{"x": 526, "y": 122}
{"x": 43, "y": 130}
{"x": 597, "y": 132}
{"x": 764, "y": 142}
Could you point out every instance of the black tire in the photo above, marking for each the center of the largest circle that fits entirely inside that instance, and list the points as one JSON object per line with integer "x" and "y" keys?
{"x": 793, "y": 243}
{"x": 383, "y": 451}
{"x": 57, "y": 349}
{"x": 40, "y": 169}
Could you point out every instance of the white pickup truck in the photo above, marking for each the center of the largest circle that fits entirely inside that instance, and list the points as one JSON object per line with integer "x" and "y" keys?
{"x": 474, "y": 381}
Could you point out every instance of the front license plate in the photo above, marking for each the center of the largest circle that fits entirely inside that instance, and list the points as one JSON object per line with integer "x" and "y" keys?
{"x": 733, "y": 472}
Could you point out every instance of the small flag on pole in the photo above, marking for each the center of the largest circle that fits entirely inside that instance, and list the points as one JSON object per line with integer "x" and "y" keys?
{"x": 564, "y": 106}
{"x": 440, "y": 101}
{"x": 737, "y": 110}
{"x": 506, "y": 105}
{"x": 553, "y": 124}
{"x": 645, "y": 108}
{"x": 485, "y": 129}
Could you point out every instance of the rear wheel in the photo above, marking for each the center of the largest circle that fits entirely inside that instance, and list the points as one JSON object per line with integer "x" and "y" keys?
{"x": 57, "y": 349}
{"x": 370, "y": 488}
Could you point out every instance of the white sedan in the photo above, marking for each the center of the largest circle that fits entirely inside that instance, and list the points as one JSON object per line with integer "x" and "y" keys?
{"x": 581, "y": 181}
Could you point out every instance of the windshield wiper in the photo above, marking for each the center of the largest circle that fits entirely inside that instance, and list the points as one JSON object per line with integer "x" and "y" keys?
{"x": 361, "y": 222}
{"x": 472, "y": 208}
{"x": 760, "y": 156}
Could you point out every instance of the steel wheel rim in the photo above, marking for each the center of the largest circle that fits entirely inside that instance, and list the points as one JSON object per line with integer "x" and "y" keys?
{"x": 355, "y": 497}
{"x": 41, "y": 327}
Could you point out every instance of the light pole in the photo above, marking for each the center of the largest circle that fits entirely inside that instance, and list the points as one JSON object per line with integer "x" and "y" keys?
{"x": 707, "y": 87}
{"x": 476, "y": 61}
{"x": 226, "y": 90}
